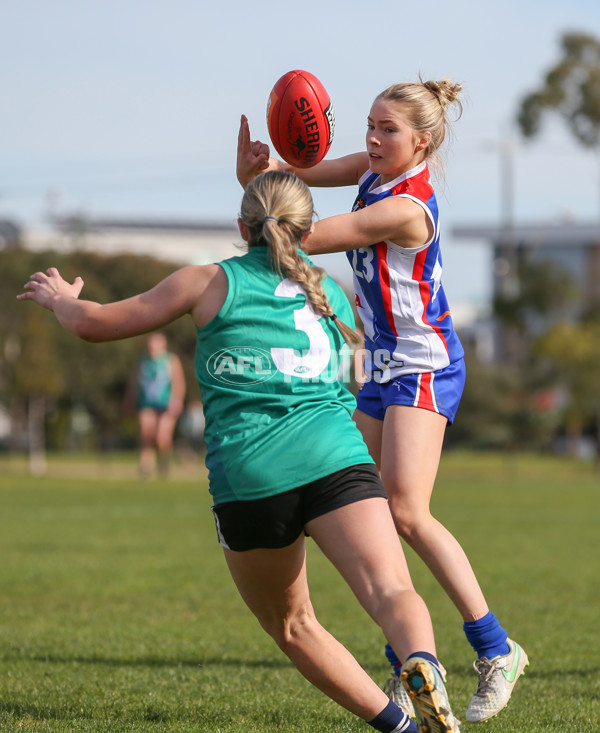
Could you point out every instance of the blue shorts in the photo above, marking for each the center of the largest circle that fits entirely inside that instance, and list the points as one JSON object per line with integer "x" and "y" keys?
{"x": 436, "y": 391}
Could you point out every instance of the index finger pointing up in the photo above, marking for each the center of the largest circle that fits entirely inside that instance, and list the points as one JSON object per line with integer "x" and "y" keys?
{"x": 244, "y": 135}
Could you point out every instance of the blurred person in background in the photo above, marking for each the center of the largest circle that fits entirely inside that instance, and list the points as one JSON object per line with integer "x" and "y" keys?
{"x": 157, "y": 390}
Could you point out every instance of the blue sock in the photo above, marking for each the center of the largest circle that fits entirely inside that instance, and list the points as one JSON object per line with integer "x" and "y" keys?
{"x": 397, "y": 664}
{"x": 486, "y": 636}
{"x": 425, "y": 655}
{"x": 391, "y": 718}
{"x": 428, "y": 657}
{"x": 393, "y": 660}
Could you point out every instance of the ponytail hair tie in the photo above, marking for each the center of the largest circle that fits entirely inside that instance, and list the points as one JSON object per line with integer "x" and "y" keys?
{"x": 272, "y": 218}
{"x": 333, "y": 317}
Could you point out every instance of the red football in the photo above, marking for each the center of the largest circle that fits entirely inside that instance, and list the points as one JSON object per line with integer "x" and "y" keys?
{"x": 300, "y": 119}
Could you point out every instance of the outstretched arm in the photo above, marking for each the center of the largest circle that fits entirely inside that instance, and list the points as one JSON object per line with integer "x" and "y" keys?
{"x": 395, "y": 219}
{"x": 199, "y": 291}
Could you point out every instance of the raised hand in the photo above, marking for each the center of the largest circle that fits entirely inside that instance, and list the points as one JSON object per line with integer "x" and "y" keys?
{"x": 252, "y": 156}
{"x": 45, "y": 287}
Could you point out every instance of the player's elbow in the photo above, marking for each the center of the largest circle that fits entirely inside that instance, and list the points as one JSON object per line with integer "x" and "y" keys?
{"x": 83, "y": 331}
{"x": 87, "y": 328}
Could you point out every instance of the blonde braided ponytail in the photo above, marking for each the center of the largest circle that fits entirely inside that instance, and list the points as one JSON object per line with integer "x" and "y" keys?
{"x": 277, "y": 208}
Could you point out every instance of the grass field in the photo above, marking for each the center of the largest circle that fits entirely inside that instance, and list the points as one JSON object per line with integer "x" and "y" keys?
{"x": 117, "y": 612}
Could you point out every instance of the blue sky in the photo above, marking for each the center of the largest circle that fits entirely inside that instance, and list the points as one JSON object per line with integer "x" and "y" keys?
{"x": 131, "y": 108}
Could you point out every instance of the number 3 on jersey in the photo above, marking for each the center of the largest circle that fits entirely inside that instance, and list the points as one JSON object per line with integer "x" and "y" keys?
{"x": 362, "y": 260}
{"x": 316, "y": 359}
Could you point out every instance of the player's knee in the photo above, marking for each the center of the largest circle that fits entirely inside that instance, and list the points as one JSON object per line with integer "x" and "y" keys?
{"x": 409, "y": 523}
{"x": 163, "y": 444}
{"x": 291, "y": 630}
{"x": 385, "y": 604}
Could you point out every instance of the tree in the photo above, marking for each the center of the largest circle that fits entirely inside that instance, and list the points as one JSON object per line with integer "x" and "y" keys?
{"x": 545, "y": 291}
{"x": 571, "y": 89}
{"x": 573, "y": 353}
{"x": 38, "y": 376}
{"x": 42, "y": 365}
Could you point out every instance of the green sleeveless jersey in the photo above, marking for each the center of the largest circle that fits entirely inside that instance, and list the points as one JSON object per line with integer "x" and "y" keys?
{"x": 276, "y": 415}
{"x": 154, "y": 381}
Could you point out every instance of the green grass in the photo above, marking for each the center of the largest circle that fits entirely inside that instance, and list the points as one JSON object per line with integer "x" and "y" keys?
{"x": 117, "y": 612}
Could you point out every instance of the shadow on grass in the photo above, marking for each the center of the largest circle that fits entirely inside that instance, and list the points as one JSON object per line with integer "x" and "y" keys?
{"x": 283, "y": 663}
{"x": 150, "y": 661}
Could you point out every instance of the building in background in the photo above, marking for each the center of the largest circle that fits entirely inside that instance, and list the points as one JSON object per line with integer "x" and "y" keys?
{"x": 184, "y": 243}
{"x": 10, "y": 234}
{"x": 180, "y": 242}
{"x": 572, "y": 249}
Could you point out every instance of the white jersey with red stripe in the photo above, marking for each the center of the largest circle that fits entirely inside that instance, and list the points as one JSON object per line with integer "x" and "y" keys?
{"x": 398, "y": 290}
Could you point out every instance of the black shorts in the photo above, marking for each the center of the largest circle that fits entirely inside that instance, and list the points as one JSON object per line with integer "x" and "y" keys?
{"x": 277, "y": 521}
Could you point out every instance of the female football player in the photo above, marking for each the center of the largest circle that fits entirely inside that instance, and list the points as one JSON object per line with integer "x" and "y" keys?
{"x": 414, "y": 362}
{"x": 157, "y": 389}
{"x": 284, "y": 455}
